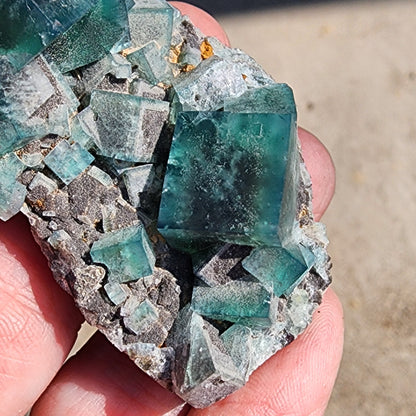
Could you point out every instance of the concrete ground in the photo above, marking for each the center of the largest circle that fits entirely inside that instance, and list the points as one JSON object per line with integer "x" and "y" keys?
{"x": 352, "y": 66}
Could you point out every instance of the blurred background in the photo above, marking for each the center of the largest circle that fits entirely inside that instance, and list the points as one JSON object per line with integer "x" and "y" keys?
{"x": 352, "y": 65}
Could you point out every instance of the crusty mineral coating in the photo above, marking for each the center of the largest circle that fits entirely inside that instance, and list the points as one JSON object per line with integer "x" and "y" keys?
{"x": 151, "y": 318}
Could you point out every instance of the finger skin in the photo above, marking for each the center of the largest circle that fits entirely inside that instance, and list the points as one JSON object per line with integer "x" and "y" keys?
{"x": 38, "y": 321}
{"x": 321, "y": 168}
{"x": 102, "y": 381}
{"x": 298, "y": 380}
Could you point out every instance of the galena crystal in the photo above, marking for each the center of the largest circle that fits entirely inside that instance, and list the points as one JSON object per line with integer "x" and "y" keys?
{"x": 161, "y": 174}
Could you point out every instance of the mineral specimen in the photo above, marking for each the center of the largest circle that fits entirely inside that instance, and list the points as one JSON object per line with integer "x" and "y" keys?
{"x": 161, "y": 174}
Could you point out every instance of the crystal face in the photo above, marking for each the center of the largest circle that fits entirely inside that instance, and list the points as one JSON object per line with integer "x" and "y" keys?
{"x": 229, "y": 169}
{"x": 29, "y": 26}
{"x": 161, "y": 174}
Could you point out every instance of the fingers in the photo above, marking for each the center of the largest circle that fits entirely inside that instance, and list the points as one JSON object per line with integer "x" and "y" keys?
{"x": 296, "y": 381}
{"x": 38, "y": 321}
{"x": 321, "y": 168}
{"x": 317, "y": 159}
{"x": 103, "y": 381}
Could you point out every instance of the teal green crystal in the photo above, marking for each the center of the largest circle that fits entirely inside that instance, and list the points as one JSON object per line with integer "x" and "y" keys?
{"x": 151, "y": 20}
{"x": 12, "y": 192}
{"x": 234, "y": 302}
{"x": 275, "y": 268}
{"x": 229, "y": 170}
{"x": 28, "y": 26}
{"x": 104, "y": 29}
{"x": 68, "y": 161}
{"x": 126, "y": 253}
{"x": 128, "y": 127}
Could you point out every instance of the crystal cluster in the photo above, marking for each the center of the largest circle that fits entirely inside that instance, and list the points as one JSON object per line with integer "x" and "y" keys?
{"x": 161, "y": 174}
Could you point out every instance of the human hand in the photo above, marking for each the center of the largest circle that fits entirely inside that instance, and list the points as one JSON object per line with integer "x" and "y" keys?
{"x": 39, "y": 322}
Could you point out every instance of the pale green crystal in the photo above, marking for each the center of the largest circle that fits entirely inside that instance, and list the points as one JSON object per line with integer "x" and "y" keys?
{"x": 275, "y": 268}
{"x": 235, "y": 301}
{"x": 204, "y": 370}
{"x": 206, "y": 87}
{"x": 68, "y": 161}
{"x": 143, "y": 316}
{"x": 34, "y": 102}
{"x": 126, "y": 253}
{"x": 12, "y": 193}
{"x": 150, "y": 64}
{"x": 115, "y": 292}
{"x": 128, "y": 127}
{"x": 151, "y": 20}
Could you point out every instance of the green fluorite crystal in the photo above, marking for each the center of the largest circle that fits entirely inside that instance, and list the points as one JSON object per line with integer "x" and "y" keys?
{"x": 151, "y": 20}
{"x": 68, "y": 161}
{"x": 229, "y": 169}
{"x": 129, "y": 127}
{"x": 12, "y": 193}
{"x": 102, "y": 30}
{"x": 33, "y": 103}
{"x": 275, "y": 268}
{"x": 161, "y": 174}
{"x": 234, "y": 302}
{"x": 126, "y": 253}
{"x": 28, "y": 26}
{"x": 150, "y": 63}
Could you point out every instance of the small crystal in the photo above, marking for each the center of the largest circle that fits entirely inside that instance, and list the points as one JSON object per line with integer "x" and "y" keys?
{"x": 12, "y": 193}
{"x": 151, "y": 20}
{"x": 36, "y": 101}
{"x": 129, "y": 127}
{"x": 275, "y": 268}
{"x": 115, "y": 292}
{"x": 126, "y": 253}
{"x": 149, "y": 63}
{"x": 141, "y": 181}
{"x": 68, "y": 161}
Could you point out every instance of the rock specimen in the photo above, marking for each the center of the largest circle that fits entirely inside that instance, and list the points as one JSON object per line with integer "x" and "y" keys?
{"x": 161, "y": 174}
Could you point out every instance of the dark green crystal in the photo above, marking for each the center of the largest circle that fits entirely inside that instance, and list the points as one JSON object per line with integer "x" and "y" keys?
{"x": 103, "y": 30}
{"x": 29, "y": 26}
{"x": 229, "y": 170}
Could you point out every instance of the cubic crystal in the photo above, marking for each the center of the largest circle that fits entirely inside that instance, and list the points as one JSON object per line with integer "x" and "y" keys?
{"x": 275, "y": 268}
{"x": 28, "y": 26}
{"x": 12, "y": 193}
{"x": 129, "y": 127}
{"x": 229, "y": 169}
{"x": 126, "y": 253}
{"x": 104, "y": 29}
{"x": 68, "y": 161}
